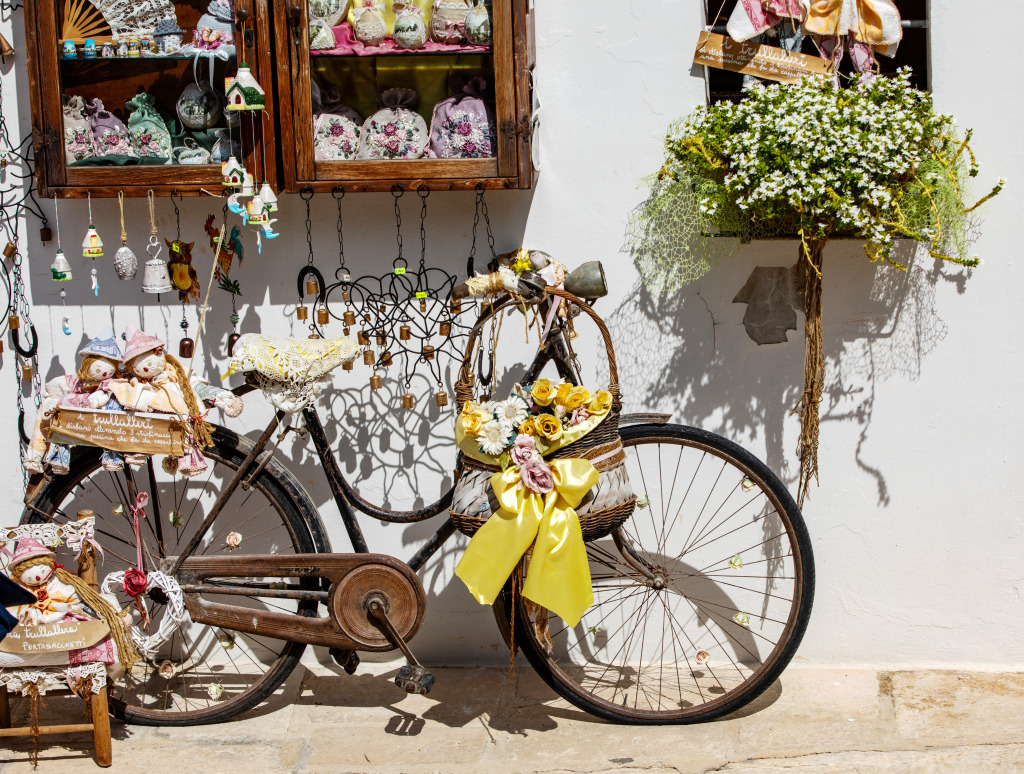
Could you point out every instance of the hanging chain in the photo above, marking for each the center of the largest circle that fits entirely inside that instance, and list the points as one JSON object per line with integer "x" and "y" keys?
{"x": 423, "y": 192}
{"x": 341, "y": 238}
{"x": 177, "y": 216}
{"x": 309, "y": 223}
{"x": 493, "y": 266}
{"x": 470, "y": 267}
{"x": 397, "y": 192}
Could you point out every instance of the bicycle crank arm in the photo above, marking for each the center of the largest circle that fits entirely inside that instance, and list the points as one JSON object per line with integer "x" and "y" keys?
{"x": 353, "y": 580}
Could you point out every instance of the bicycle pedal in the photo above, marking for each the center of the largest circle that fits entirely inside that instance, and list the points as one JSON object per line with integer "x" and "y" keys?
{"x": 346, "y": 659}
{"x": 414, "y": 679}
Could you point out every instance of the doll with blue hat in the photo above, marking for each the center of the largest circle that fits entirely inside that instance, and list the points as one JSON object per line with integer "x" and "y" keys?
{"x": 86, "y": 389}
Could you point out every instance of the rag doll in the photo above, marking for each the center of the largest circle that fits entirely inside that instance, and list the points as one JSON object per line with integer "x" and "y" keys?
{"x": 84, "y": 389}
{"x": 61, "y": 596}
{"x": 155, "y": 382}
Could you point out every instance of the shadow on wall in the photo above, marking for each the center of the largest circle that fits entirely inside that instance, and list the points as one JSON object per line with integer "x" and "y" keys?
{"x": 879, "y": 322}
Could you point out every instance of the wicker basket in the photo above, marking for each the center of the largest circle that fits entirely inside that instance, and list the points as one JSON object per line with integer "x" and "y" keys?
{"x": 605, "y": 508}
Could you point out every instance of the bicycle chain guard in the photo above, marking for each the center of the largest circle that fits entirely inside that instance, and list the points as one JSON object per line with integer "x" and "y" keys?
{"x": 353, "y": 580}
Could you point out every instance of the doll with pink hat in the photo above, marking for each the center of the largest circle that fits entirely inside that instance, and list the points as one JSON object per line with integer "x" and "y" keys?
{"x": 61, "y": 596}
{"x": 155, "y": 381}
{"x": 101, "y": 359}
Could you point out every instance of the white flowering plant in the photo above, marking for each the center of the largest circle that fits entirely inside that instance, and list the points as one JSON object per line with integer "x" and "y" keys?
{"x": 872, "y": 161}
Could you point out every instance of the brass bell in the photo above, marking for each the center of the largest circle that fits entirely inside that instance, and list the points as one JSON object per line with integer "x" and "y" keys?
{"x": 345, "y": 296}
{"x": 232, "y": 340}
{"x": 428, "y": 352}
{"x": 1, "y": 347}
{"x": 455, "y": 305}
{"x": 423, "y": 304}
{"x": 446, "y": 328}
{"x": 405, "y": 333}
{"x": 375, "y": 382}
{"x": 349, "y": 317}
{"x": 313, "y": 336}
{"x": 312, "y": 289}
{"x": 385, "y": 359}
{"x": 10, "y": 250}
{"x": 45, "y": 234}
{"x": 471, "y": 380}
{"x": 346, "y": 331}
{"x": 323, "y": 316}
{"x": 362, "y": 338}
{"x": 380, "y": 339}
{"x": 383, "y": 307}
{"x": 302, "y": 313}
{"x": 14, "y": 322}
{"x": 368, "y": 357}
{"x": 186, "y": 347}
{"x": 407, "y": 401}
{"x": 366, "y": 317}
{"x": 347, "y": 366}
{"x": 26, "y": 372}
{"x": 441, "y": 399}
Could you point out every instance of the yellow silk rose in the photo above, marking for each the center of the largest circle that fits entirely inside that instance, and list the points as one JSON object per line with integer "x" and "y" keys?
{"x": 529, "y": 427}
{"x": 562, "y": 393}
{"x": 549, "y": 427}
{"x": 472, "y": 419}
{"x": 577, "y": 397}
{"x": 601, "y": 402}
{"x": 542, "y": 392}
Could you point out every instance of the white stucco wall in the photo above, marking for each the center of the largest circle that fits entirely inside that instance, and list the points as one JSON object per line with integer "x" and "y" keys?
{"x": 917, "y": 523}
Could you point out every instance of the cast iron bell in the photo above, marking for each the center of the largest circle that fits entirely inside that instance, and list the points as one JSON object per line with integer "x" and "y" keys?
{"x": 232, "y": 340}
{"x": 587, "y": 281}
{"x": 186, "y": 347}
{"x": 45, "y": 234}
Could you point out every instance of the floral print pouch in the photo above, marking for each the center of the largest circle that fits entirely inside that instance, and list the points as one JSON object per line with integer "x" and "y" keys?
{"x": 147, "y": 129}
{"x": 396, "y": 131}
{"x": 463, "y": 126}
{"x": 77, "y": 132}
{"x": 335, "y": 138}
{"x": 109, "y": 134}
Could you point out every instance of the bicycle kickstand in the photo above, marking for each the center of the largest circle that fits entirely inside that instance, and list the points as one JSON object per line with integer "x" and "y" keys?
{"x": 413, "y": 677}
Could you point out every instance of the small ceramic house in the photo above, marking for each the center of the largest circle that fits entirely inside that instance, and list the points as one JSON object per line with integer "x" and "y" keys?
{"x": 257, "y": 211}
{"x": 92, "y": 245}
{"x": 232, "y": 172}
{"x": 168, "y": 36}
{"x": 243, "y": 92}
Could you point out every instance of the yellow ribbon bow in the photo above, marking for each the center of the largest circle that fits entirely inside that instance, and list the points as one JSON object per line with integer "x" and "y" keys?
{"x": 559, "y": 575}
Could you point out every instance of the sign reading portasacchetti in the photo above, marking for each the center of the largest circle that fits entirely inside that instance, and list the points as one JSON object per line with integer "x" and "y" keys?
{"x": 749, "y": 58}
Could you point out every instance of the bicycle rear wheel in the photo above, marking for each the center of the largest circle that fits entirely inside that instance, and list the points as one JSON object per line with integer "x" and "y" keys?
{"x": 700, "y": 599}
{"x": 210, "y": 674}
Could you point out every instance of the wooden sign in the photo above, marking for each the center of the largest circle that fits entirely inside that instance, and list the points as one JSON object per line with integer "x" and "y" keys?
{"x": 54, "y": 637}
{"x": 119, "y": 431}
{"x": 749, "y": 58}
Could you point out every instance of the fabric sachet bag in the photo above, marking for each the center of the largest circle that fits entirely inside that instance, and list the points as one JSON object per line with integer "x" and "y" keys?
{"x": 448, "y": 21}
{"x": 321, "y": 36}
{"x": 150, "y": 137}
{"x": 77, "y": 132}
{"x": 396, "y": 131}
{"x": 336, "y": 126}
{"x": 109, "y": 134}
{"x": 331, "y": 11}
{"x": 464, "y": 126}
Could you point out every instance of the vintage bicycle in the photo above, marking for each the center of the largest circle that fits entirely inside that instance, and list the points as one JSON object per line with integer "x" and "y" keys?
{"x": 700, "y": 598}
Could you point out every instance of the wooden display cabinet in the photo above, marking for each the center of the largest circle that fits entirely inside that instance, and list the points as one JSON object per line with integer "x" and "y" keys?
{"x": 358, "y": 78}
{"x": 116, "y": 80}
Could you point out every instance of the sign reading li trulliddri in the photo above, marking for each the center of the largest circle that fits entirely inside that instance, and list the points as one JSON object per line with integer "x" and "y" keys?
{"x": 749, "y": 58}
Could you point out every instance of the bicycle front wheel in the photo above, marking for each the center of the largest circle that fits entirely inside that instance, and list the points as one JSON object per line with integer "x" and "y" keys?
{"x": 201, "y": 674}
{"x": 700, "y": 599}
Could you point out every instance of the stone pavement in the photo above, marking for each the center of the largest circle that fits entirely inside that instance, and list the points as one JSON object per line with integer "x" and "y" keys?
{"x": 814, "y": 720}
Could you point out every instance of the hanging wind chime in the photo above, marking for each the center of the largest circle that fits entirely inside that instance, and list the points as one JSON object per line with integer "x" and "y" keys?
{"x": 92, "y": 247}
{"x": 126, "y": 265}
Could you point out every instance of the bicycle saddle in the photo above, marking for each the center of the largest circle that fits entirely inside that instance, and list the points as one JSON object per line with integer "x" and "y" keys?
{"x": 290, "y": 360}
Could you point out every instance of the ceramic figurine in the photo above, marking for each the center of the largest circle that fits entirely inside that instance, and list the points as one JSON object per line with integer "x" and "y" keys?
{"x": 70, "y": 52}
{"x": 122, "y": 49}
{"x": 107, "y": 51}
{"x": 89, "y": 49}
{"x": 243, "y": 92}
{"x": 167, "y": 36}
{"x": 183, "y": 274}
{"x": 134, "y": 49}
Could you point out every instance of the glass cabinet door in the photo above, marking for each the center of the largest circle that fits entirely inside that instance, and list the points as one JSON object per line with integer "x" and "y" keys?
{"x": 130, "y": 95}
{"x": 383, "y": 92}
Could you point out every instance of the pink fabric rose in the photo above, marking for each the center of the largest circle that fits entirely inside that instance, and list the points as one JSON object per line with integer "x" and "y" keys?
{"x": 536, "y": 475}
{"x": 523, "y": 450}
{"x": 465, "y": 128}
{"x": 579, "y": 415}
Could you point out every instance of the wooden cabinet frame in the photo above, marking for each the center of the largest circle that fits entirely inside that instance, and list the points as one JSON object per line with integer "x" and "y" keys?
{"x": 510, "y": 169}
{"x": 253, "y": 40}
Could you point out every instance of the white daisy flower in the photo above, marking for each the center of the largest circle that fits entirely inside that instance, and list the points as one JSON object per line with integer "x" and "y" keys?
{"x": 513, "y": 411}
{"x": 494, "y": 437}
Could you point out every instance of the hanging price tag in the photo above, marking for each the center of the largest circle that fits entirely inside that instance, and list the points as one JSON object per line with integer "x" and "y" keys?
{"x": 400, "y": 270}
{"x": 420, "y": 294}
